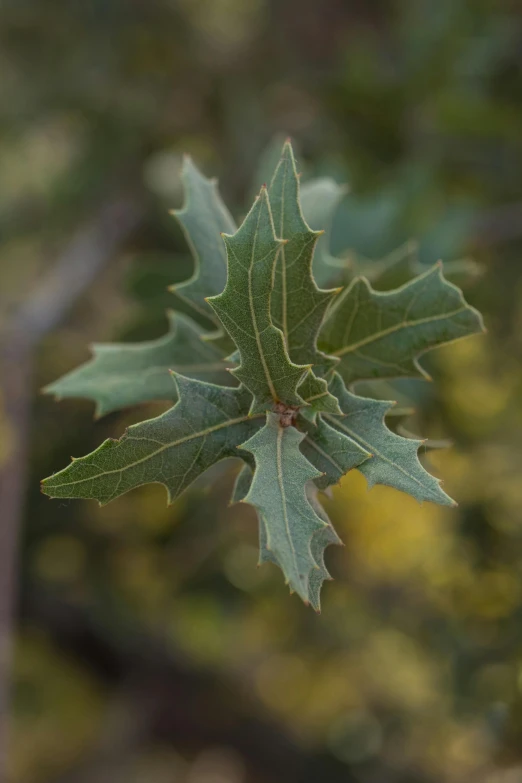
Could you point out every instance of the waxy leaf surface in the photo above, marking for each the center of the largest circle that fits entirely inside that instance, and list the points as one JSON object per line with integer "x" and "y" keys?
{"x": 120, "y": 374}
{"x": 244, "y": 310}
{"x": 203, "y": 218}
{"x": 394, "y": 459}
{"x": 319, "y": 398}
{"x": 278, "y": 492}
{"x": 320, "y": 540}
{"x": 319, "y": 201}
{"x": 298, "y": 305}
{"x": 331, "y": 451}
{"x": 381, "y": 335}
{"x": 204, "y": 427}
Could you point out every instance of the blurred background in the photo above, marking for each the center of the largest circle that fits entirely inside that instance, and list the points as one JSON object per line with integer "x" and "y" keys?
{"x": 146, "y": 646}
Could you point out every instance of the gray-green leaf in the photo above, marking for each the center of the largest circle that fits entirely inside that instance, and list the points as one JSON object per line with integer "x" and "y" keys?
{"x": 244, "y": 310}
{"x": 203, "y": 218}
{"x": 318, "y": 543}
{"x": 381, "y": 335}
{"x": 278, "y": 491}
{"x": 320, "y": 540}
{"x": 316, "y": 393}
{"x": 394, "y": 461}
{"x": 120, "y": 375}
{"x": 331, "y": 451}
{"x": 319, "y": 201}
{"x": 298, "y": 305}
{"x": 203, "y": 428}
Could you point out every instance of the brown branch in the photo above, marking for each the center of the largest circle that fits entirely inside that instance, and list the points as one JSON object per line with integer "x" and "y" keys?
{"x": 89, "y": 251}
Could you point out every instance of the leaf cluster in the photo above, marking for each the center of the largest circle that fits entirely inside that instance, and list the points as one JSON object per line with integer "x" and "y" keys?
{"x": 274, "y": 381}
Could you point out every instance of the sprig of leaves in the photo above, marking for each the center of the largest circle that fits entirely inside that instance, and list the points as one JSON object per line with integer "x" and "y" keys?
{"x": 293, "y": 349}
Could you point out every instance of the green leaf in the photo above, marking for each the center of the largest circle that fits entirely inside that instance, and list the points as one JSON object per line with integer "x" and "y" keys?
{"x": 331, "y": 451}
{"x": 316, "y": 393}
{"x": 244, "y": 310}
{"x": 203, "y": 218}
{"x": 319, "y": 541}
{"x": 242, "y": 483}
{"x": 394, "y": 461}
{"x": 203, "y": 428}
{"x": 120, "y": 375}
{"x": 403, "y": 264}
{"x": 298, "y": 306}
{"x": 278, "y": 491}
{"x": 381, "y": 335}
{"x": 319, "y": 201}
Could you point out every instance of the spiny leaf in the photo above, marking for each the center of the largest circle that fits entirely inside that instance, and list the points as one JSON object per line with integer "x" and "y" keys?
{"x": 242, "y": 483}
{"x": 316, "y": 393}
{"x": 244, "y": 310}
{"x": 394, "y": 461}
{"x": 120, "y": 375}
{"x": 331, "y": 451}
{"x": 278, "y": 491}
{"x": 319, "y": 201}
{"x": 319, "y": 541}
{"x": 402, "y": 265}
{"x": 297, "y": 305}
{"x": 203, "y": 428}
{"x": 381, "y": 335}
{"x": 203, "y": 218}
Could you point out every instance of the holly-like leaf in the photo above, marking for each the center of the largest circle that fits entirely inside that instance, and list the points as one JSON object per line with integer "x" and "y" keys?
{"x": 315, "y": 392}
{"x": 319, "y": 201}
{"x": 242, "y": 483}
{"x": 381, "y": 335}
{"x": 297, "y": 305}
{"x": 403, "y": 264}
{"x": 204, "y": 427}
{"x": 320, "y": 540}
{"x": 394, "y": 461}
{"x": 244, "y": 310}
{"x": 332, "y": 451}
{"x": 203, "y": 218}
{"x": 278, "y": 491}
{"x": 120, "y": 375}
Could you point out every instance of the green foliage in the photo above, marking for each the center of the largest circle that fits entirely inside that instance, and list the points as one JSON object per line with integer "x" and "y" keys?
{"x": 202, "y": 218}
{"x": 381, "y": 334}
{"x": 272, "y": 311}
{"x": 204, "y": 427}
{"x": 244, "y": 309}
{"x": 122, "y": 375}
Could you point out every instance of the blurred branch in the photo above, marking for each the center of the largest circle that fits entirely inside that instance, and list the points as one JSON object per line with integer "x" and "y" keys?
{"x": 88, "y": 252}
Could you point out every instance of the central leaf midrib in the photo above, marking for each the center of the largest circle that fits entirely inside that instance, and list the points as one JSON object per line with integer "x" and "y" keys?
{"x": 385, "y": 332}
{"x": 166, "y": 446}
{"x": 373, "y": 450}
{"x": 284, "y": 313}
{"x": 253, "y": 312}
{"x": 279, "y": 467}
{"x": 324, "y": 454}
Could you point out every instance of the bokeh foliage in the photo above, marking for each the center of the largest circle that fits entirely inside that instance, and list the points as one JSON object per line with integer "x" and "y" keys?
{"x": 148, "y": 645}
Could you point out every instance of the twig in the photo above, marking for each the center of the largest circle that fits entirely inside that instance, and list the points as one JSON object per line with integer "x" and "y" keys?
{"x": 88, "y": 252}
